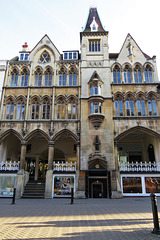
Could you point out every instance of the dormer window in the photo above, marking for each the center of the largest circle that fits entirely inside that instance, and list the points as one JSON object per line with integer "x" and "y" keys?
{"x": 72, "y": 55}
{"x": 24, "y": 56}
{"x": 94, "y": 25}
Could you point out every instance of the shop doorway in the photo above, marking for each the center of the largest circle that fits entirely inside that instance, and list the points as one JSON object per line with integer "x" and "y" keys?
{"x": 30, "y": 165}
{"x": 97, "y": 189}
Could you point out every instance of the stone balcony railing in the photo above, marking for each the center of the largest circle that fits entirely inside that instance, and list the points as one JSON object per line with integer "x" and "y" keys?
{"x": 64, "y": 166}
{"x": 139, "y": 167}
{"x": 9, "y": 166}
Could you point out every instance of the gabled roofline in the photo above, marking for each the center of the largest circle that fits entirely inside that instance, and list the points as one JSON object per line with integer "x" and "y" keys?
{"x": 41, "y": 40}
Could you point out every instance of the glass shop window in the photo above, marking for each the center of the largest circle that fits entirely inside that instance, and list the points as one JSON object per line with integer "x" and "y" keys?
{"x": 132, "y": 185}
{"x": 63, "y": 185}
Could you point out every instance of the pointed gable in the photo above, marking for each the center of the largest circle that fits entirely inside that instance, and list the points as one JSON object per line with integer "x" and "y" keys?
{"x": 130, "y": 51}
{"x": 93, "y": 18}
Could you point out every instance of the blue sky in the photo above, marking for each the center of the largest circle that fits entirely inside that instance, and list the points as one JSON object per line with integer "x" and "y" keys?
{"x": 62, "y": 20}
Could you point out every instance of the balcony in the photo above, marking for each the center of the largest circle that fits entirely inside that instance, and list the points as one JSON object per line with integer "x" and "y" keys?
{"x": 139, "y": 167}
{"x": 9, "y": 166}
{"x": 64, "y": 166}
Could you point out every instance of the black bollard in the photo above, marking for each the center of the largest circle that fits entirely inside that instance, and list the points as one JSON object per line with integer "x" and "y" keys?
{"x": 14, "y": 195}
{"x": 156, "y": 229}
{"x": 71, "y": 195}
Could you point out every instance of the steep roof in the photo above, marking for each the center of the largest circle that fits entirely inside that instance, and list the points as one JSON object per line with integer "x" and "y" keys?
{"x": 93, "y": 13}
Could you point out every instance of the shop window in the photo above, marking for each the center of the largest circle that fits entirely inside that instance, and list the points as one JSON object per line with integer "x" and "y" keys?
{"x": 20, "y": 111}
{"x": 9, "y": 110}
{"x": 137, "y": 74}
{"x": 152, "y": 184}
{"x": 46, "y": 110}
{"x": 14, "y": 78}
{"x": 7, "y": 185}
{"x": 148, "y": 74}
{"x": 35, "y": 110}
{"x": 63, "y": 185}
{"x": 116, "y": 74}
{"x": 132, "y": 185}
{"x": 118, "y": 106}
{"x": 141, "y": 107}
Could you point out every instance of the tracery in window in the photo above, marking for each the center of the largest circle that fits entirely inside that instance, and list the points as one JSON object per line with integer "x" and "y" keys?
{"x": 24, "y": 78}
{"x": 62, "y": 77}
{"x": 46, "y": 109}
{"x": 127, "y": 74}
{"x": 129, "y": 106}
{"x": 118, "y": 106}
{"x": 45, "y": 57}
{"x": 72, "y": 109}
{"x": 152, "y": 108}
{"x": 20, "y": 111}
{"x": 9, "y": 110}
{"x": 116, "y": 74}
{"x": 148, "y": 74}
{"x": 38, "y": 78}
{"x": 137, "y": 74}
{"x": 72, "y": 77}
{"x": 141, "y": 106}
{"x": 48, "y": 77}
{"x": 61, "y": 109}
{"x": 14, "y": 78}
{"x": 35, "y": 109}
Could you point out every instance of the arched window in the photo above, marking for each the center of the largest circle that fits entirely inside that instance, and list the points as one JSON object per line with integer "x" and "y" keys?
{"x": 95, "y": 89}
{"x": 45, "y": 57}
{"x": 96, "y": 107}
{"x": 72, "y": 77}
{"x": 14, "y": 78}
{"x": 9, "y": 110}
{"x": 20, "y": 111}
{"x": 61, "y": 109}
{"x": 62, "y": 77}
{"x": 97, "y": 144}
{"x": 48, "y": 77}
{"x": 116, "y": 74}
{"x": 127, "y": 74}
{"x": 46, "y": 109}
{"x": 35, "y": 109}
{"x": 148, "y": 74}
{"x": 129, "y": 106}
{"x": 118, "y": 106}
{"x": 151, "y": 155}
{"x": 137, "y": 74}
{"x": 24, "y": 78}
{"x": 141, "y": 106}
{"x": 72, "y": 109}
{"x": 152, "y": 108}
{"x": 38, "y": 78}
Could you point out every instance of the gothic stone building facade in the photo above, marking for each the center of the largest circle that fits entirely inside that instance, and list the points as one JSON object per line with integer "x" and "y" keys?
{"x": 88, "y": 120}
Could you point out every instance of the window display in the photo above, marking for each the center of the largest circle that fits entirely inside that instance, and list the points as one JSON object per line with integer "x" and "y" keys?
{"x": 63, "y": 185}
{"x": 132, "y": 185}
{"x": 7, "y": 183}
{"x": 152, "y": 184}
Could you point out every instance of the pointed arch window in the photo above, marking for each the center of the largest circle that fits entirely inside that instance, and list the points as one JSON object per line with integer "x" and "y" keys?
{"x": 14, "y": 78}
{"x": 45, "y": 57}
{"x": 116, "y": 74}
{"x": 141, "y": 106}
{"x": 94, "y": 45}
{"x": 48, "y": 78}
{"x": 118, "y": 106}
{"x": 9, "y": 110}
{"x": 137, "y": 74}
{"x": 129, "y": 106}
{"x": 97, "y": 144}
{"x": 62, "y": 77}
{"x": 46, "y": 109}
{"x": 72, "y": 109}
{"x": 148, "y": 74}
{"x": 24, "y": 78}
{"x": 61, "y": 109}
{"x": 127, "y": 74}
{"x": 152, "y": 108}
{"x": 35, "y": 109}
{"x": 72, "y": 77}
{"x": 20, "y": 111}
{"x": 38, "y": 78}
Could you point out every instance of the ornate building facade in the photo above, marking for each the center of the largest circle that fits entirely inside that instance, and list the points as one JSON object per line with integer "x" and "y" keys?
{"x": 88, "y": 120}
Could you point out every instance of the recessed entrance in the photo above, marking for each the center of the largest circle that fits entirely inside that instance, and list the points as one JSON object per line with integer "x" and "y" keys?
{"x": 97, "y": 189}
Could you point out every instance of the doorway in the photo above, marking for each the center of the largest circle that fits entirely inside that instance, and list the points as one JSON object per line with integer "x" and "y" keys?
{"x": 97, "y": 189}
{"x": 30, "y": 165}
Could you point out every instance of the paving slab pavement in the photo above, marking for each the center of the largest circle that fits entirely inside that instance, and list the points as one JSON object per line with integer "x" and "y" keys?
{"x": 86, "y": 219}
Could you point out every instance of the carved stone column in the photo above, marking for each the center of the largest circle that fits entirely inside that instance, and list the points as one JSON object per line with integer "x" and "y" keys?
{"x": 78, "y": 157}
{"x": 49, "y": 173}
{"x": 23, "y": 154}
{"x": 50, "y": 155}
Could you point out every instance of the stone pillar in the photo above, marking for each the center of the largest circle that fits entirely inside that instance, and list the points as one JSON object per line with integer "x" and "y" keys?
{"x": 36, "y": 168}
{"x": 78, "y": 157}
{"x": 20, "y": 179}
{"x": 49, "y": 173}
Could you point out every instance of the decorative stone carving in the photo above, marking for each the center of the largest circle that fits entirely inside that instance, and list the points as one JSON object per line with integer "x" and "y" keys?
{"x": 96, "y": 120}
